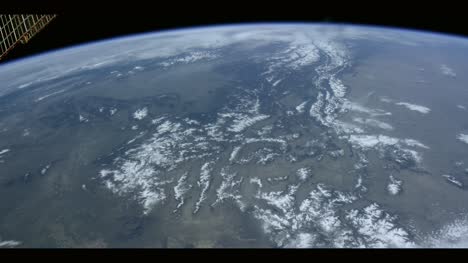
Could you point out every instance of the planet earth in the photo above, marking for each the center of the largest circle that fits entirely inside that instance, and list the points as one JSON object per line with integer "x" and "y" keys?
{"x": 257, "y": 135}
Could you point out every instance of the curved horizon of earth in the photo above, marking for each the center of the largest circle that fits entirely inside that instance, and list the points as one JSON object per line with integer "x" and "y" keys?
{"x": 261, "y": 135}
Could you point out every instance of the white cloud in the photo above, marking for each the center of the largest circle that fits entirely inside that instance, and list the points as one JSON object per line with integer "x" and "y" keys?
{"x": 45, "y": 169}
{"x": 414, "y": 107}
{"x": 386, "y": 100}
{"x": 234, "y": 153}
{"x": 446, "y": 70}
{"x": 112, "y": 111}
{"x": 451, "y": 179}
{"x": 171, "y": 43}
{"x": 51, "y": 94}
{"x": 190, "y": 58}
{"x": 242, "y": 122}
{"x": 379, "y": 142}
{"x": 394, "y": 186}
{"x": 256, "y": 181}
{"x": 301, "y": 107}
{"x": 378, "y": 228}
{"x": 374, "y": 123}
{"x": 451, "y": 235}
{"x": 140, "y": 114}
{"x": 181, "y": 189}
{"x": 204, "y": 183}
{"x": 463, "y": 137}
{"x": 414, "y": 143}
{"x": 302, "y": 240}
{"x": 276, "y": 82}
{"x": 370, "y": 141}
{"x": 82, "y": 119}
{"x": 9, "y": 243}
{"x": 303, "y": 173}
{"x": 352, "y": 106}
{"x": 4, "y": 151}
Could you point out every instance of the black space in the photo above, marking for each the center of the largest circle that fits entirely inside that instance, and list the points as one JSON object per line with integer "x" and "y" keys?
{"x": 81, "y": 22}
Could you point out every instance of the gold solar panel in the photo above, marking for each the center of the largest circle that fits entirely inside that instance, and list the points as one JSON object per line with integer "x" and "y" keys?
{"x": 15, "y": 29}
